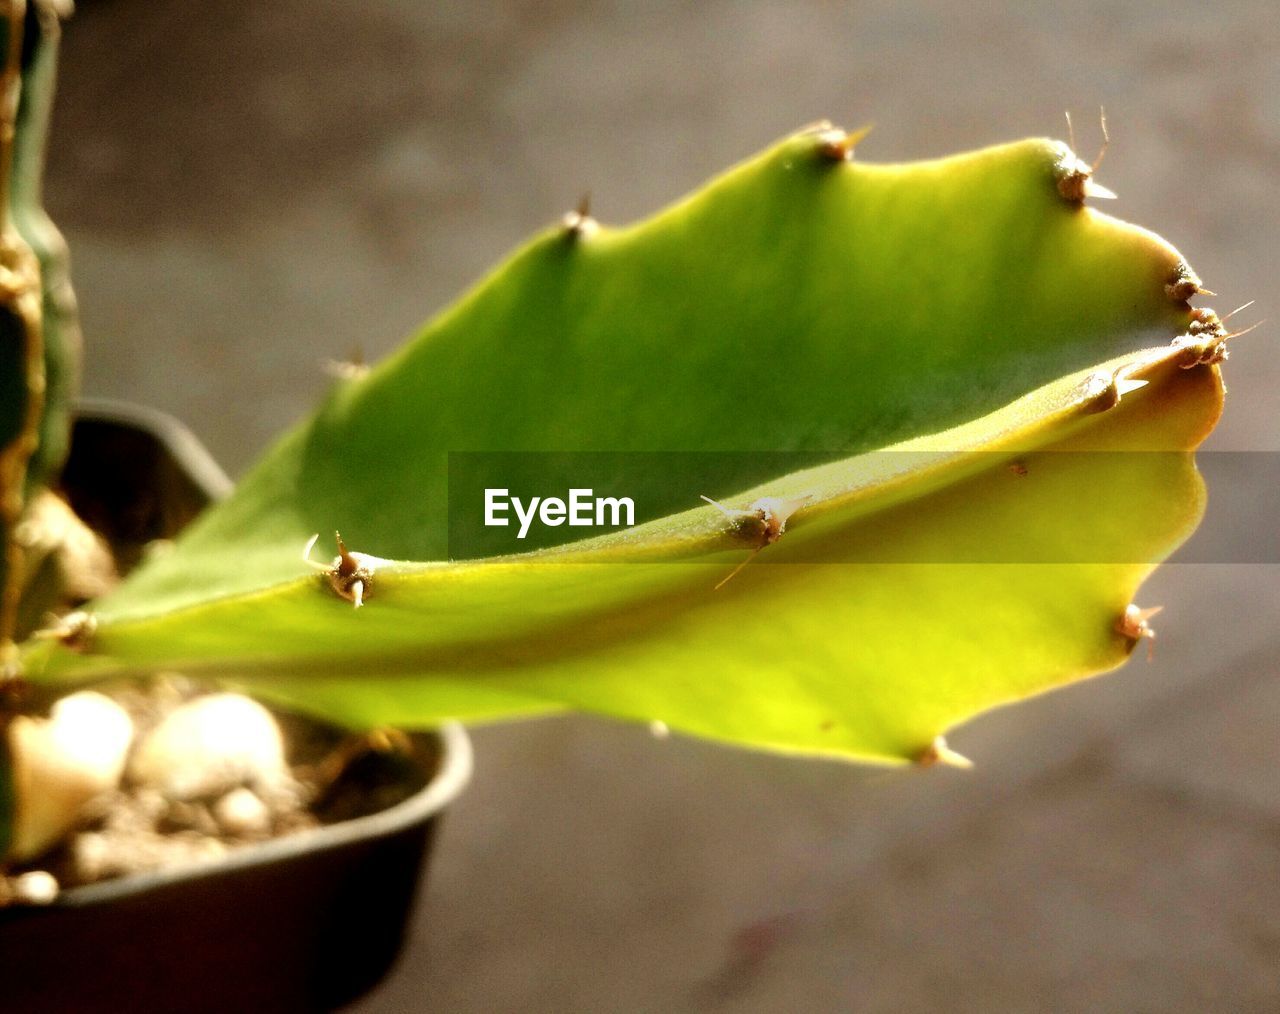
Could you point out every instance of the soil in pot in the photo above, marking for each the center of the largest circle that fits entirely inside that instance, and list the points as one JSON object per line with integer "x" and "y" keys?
{"x": 211, "y": 773}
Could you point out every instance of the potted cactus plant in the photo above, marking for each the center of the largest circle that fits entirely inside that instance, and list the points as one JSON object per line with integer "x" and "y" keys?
{"x": 944, "y": 414}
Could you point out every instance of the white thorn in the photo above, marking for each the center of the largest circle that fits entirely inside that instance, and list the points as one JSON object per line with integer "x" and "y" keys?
{"x": 306, "y": 556}
{"x": 1092, "y": 189}
{"x": 727, "y": 512}
{"x": 1126, "y": 386}
{"x": 939, "y": 753}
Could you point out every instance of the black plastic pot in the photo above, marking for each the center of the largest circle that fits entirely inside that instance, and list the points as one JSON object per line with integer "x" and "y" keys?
{"x": 136, "y": 475}
{"x": 302, "y": 923}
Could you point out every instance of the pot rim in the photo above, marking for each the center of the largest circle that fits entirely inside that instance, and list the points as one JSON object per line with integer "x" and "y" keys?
{"x": 170, "y": 431}
{"x": 445, "y": 785}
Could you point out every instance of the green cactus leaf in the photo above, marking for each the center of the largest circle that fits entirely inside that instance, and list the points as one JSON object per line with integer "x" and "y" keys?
{"x": 961, "y": 314}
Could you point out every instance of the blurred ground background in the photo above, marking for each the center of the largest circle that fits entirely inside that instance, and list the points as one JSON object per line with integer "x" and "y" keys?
{"x": 252, "y": 188}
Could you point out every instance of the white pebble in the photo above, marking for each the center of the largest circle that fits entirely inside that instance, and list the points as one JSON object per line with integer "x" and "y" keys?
{"x": 90, "y": 853}
{"x": 35, "y": 888}
{"x": 61, "y": 763}
{"x": 241, "y": 812}
{"x": 209, "y": 746}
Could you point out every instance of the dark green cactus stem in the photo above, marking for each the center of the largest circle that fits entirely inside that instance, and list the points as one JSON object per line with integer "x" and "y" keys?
{"x": 21, "y": 383}
{"x": 60, "y": 320}
{"x": 21, "y": 340}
